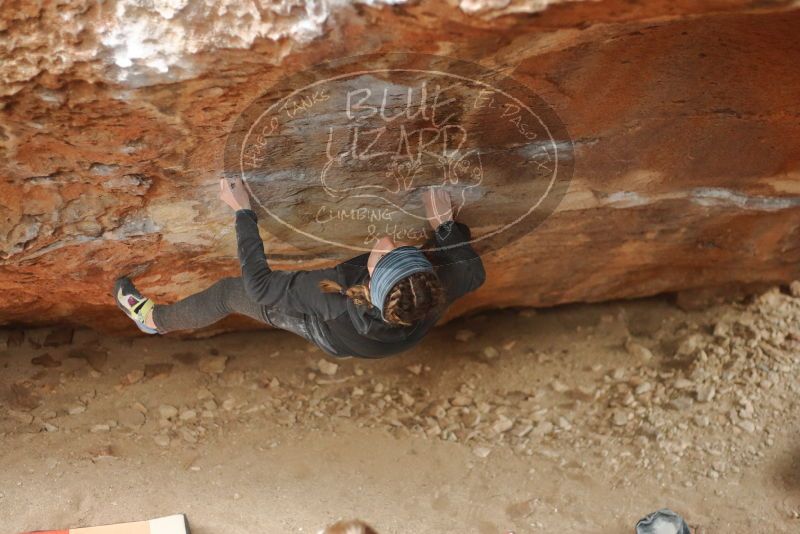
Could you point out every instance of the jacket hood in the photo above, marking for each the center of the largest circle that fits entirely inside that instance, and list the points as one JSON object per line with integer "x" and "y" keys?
{"x": 368, "y": 322}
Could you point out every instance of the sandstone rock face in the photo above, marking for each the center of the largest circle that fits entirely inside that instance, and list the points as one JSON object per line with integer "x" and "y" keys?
{"x": 680, "y": 123}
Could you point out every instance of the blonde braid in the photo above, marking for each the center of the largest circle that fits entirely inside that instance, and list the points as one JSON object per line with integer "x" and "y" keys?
{"x": 359, "y": 294}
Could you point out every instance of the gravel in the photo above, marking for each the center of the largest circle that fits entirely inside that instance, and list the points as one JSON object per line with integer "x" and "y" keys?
{"x": 720, "y": 380}
{"x": 326, "y": 367}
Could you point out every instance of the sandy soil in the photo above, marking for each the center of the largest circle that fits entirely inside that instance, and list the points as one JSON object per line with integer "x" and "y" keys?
{"x": 576, "y": 419}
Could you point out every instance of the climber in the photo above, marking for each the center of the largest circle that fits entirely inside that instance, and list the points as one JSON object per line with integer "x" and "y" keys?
{"x": 374, "y": 305}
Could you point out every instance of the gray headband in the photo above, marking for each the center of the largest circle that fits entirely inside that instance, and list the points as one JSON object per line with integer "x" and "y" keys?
{"x": 393, "y": 267}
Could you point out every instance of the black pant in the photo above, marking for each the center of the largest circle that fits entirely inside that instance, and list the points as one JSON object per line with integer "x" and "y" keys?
{"x": 218, "y": 301}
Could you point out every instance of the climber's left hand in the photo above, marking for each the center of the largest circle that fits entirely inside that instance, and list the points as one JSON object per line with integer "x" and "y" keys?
{"x": 233, "y": 193}
{"x": 438, "y": 206}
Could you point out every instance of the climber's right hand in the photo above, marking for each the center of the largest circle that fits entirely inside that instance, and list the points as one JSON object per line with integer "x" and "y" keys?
{"x": 233, "y": 193}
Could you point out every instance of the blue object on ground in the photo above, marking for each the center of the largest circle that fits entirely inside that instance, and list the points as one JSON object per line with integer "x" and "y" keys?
{"x": 664, "y": 521}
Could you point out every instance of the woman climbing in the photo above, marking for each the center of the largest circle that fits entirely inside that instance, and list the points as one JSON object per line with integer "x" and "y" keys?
{"x": 374, "y": 305}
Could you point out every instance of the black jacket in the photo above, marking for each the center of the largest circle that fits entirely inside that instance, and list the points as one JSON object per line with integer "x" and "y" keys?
{"x": 337, "y": 325}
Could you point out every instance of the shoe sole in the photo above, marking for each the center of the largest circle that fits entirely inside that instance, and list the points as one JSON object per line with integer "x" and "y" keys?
{"x": 121, "y": 284}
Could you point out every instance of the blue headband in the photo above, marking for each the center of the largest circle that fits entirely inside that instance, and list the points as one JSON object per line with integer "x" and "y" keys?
{"x": 393, "y": 267}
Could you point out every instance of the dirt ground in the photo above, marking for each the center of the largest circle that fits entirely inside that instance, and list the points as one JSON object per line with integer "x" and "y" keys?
{"x": 579, "y": 419}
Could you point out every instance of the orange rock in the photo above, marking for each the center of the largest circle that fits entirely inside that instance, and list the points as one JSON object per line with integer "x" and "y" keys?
{"x": 683, "y": 116}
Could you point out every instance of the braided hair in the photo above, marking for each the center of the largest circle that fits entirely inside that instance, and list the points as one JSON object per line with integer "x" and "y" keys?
{"x": 410, "y": 300}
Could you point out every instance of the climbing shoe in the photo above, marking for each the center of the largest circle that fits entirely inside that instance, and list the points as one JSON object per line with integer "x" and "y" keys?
{"x": 135, "y": 306}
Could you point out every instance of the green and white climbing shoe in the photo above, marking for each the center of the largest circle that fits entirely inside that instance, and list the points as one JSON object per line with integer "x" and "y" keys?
{"x": 135, "y": 306}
